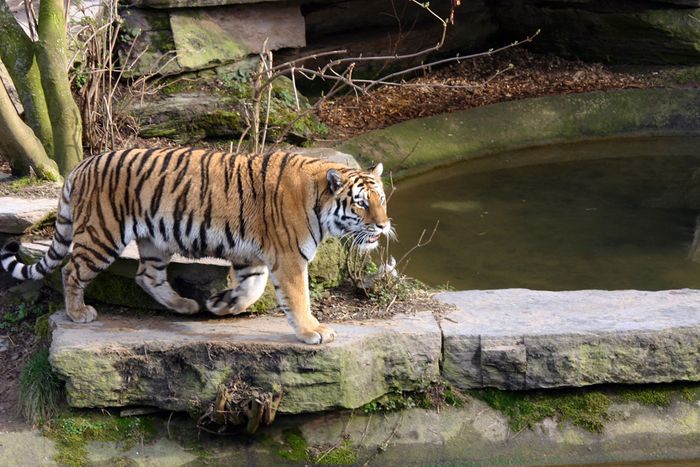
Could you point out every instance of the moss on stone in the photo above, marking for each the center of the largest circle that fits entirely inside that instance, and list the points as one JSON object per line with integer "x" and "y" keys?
{"x": 47, "y": 221}
{"x": 341, "y": 455}
{"x": 582, "y": 408}
{"x": 657, "y": 396}
{"x": 436, "y": 395}
{"x": 73, "y": 431}
{"x": 294, "y": 447}
{"x": 328, "y": 267}
{"x": 691, "y": 393}
{"x": 200, "y": 107}
{"x": 689, "y": 75}
{"x": 42, "y": 329}
{"x": 201, "y": 42}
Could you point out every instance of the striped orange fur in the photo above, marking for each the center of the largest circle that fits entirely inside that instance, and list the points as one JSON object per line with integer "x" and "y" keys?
{"x": 266, "y": 213}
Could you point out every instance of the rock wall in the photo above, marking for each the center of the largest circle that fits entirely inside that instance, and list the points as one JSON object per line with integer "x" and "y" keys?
{"x": 175, "y": 36}
{"x": 209, "y": 48}
{"x": 619, "y": 31}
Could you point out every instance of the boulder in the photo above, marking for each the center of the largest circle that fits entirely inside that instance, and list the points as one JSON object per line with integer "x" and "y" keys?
{"x": 372, "y": 29}
{"x": 212, "y": 36}
{"x": 526, "y": 339}
{"x": 146, "y": 44}
{"x": 196, "y": 279}
{"x": 158, "y": 42}
{"x": 189, "y": 117}
{"x": 330, "y": 155}
{"x": 122, "y": 360}
{"x": 613, "y": 32}
{"x": 16, "y": 214}
{"x": 186, "y": 114}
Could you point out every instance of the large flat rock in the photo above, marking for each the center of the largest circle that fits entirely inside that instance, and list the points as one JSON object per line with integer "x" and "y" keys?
{"x": 178, "y": 364}
{"x": 523, "y": 339}
{"x": 16, "y": 214}
{"x": 211, "y": 36}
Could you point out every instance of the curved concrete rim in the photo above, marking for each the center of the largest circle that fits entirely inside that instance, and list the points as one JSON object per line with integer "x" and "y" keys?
{"x": 418, "y": 145}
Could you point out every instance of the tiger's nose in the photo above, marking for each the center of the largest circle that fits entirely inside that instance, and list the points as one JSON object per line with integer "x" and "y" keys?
{"x": 383, "y": 225}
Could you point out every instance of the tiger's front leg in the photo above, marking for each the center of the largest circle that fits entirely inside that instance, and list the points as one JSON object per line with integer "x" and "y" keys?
{"x": 291, "y": 280}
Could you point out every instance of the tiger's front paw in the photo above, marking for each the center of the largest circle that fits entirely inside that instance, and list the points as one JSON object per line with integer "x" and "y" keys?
{"x": 84, "y": 314}
{"x": 321, "y": 335}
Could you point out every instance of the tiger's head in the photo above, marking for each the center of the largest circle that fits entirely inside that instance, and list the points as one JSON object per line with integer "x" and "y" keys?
{"x": 358, "y": 208}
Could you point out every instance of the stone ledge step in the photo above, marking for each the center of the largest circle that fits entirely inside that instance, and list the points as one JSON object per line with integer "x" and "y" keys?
{"x": 177, "y": 363}
{"x": 16, "y": 214}
{"x": 525, "y": 339}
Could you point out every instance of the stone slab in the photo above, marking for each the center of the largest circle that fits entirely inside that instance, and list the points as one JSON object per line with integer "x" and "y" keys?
{"x": 524, "y": 339}
{"x": 213, "y": 36}
{"x": 329, "y": 154}
{"x": 147, "y": 46}
{"x": 16, "y": 214}
{"x": 178, "y": 364}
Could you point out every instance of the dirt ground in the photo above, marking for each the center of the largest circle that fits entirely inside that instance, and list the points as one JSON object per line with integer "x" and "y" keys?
{"x": 16, "y": 344}
{"x": 510, "y": 75}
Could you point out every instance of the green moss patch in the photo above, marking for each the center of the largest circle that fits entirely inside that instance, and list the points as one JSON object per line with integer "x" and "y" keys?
{"x": 660, "y": 397}
{"x": 201, "y": 107}
{"x": 294, "y": 447}
{"x": 343, "y": 454}
{"x": 436, "y": 395}
{"x": 24, "y": 182}
{"x": 585, "y": 409}
{"x": 72, "y": 432}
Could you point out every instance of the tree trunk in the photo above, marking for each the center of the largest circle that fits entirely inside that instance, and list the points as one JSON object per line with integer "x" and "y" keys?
{"x": 17, "y": 54}
{"x": 19, "y": 143}
{"x": 52, "y": 59}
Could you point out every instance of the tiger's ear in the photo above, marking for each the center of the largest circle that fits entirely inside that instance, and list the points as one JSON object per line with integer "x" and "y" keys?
{"x": 377, "y": 170}
{"x": 334, "y": 180}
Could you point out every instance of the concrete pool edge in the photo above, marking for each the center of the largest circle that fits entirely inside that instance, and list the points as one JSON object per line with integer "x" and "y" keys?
{"x": 475, "y": 434}
{"x": 421, "y": 144}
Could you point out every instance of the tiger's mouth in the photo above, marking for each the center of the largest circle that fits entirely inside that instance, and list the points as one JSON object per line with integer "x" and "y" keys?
{"x": 367, "y": 240}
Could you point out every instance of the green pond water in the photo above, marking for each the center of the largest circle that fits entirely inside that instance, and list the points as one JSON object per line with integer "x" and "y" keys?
{"x": 606, "y": 215}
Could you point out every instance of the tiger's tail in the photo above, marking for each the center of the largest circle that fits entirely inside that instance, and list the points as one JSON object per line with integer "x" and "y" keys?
{"x": 60, "y": 246}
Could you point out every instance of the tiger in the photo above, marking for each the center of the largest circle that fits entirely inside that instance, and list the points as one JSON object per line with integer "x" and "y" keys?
{"x": 264, "y": 213}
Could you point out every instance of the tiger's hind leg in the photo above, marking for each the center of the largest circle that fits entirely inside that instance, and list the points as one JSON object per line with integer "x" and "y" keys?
{"x": 85, "y": 264}
{"x": 251, "y": 279}
{"x": 153, "y": 278}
